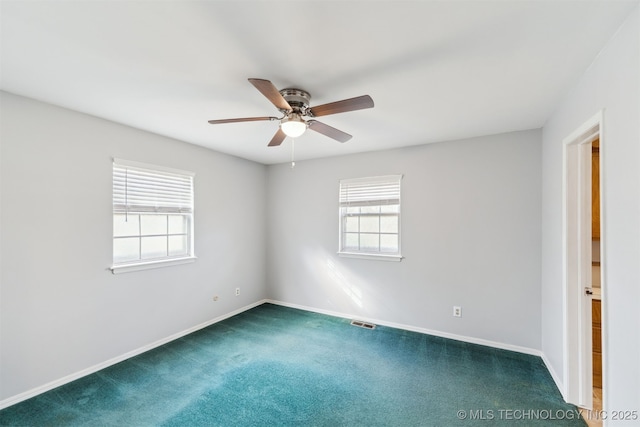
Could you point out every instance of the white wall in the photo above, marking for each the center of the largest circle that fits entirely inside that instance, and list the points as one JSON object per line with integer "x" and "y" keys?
{"x": 62, "y": 310}
{"x": 472, "y": 228}
{"x": 611, "y": 83}
{"x": 470, "y": 237}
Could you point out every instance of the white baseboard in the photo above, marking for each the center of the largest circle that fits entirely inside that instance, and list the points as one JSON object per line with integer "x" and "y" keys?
{"x": 555, "y": 377}
{"x": 95, "y": 368}
{"x": 471, "y": 340}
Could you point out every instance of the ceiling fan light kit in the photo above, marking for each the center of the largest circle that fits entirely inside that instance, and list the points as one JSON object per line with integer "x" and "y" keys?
{"x": 293, "y": 125}
{"x": 294, "y": 105}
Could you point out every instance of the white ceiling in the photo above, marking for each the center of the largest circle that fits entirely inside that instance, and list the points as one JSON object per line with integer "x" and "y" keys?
{"x": 436, "y": 70}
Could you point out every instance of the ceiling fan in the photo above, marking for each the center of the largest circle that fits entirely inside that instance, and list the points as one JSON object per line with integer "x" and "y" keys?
{"x": 297, "y": 115}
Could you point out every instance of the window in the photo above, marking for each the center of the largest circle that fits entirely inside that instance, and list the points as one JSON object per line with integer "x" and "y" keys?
{"x": 152, "y": 216}
{"x": 370, "y": 217}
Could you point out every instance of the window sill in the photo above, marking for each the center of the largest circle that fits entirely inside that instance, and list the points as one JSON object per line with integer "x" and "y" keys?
{"x": 126, "y": 268}
{"x": 378, "y": 257}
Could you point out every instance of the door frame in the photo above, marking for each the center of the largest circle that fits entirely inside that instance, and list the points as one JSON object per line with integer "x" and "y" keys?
{"x": 576, "y": 262}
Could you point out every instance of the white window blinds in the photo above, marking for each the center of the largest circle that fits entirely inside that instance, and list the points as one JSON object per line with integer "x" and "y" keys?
{"x": 376, "y": 191}
{"x": 145, "y": 188}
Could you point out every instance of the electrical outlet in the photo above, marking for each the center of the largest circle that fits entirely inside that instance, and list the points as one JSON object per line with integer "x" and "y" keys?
{"x": 237, "y": 291}
{"x": 457, "y": 311}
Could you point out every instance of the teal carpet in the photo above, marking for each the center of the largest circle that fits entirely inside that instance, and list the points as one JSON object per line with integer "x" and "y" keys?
{"x": 276, "y": 366}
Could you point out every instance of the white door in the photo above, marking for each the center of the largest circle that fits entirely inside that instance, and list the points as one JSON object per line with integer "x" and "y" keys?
{"x": 577, "y": 245}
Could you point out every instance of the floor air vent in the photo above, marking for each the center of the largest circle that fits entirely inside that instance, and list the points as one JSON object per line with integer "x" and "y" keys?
{"x": 362, "y": 324}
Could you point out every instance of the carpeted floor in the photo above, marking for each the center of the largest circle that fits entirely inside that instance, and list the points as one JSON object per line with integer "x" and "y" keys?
{"x": 273, "y": 366}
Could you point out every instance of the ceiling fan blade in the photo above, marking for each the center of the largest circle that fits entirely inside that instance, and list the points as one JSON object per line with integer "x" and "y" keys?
{"x": 351, "y": 104}
{"x": 277, "y": 138}
{"x": 245, "y": 119}
{"x": 271, "y": 92}
{"x": 329, "y": 131}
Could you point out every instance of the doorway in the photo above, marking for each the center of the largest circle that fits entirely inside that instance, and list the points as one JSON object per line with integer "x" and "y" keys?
{"x": 596, "y": 286}
{"x": 583, "y": 263}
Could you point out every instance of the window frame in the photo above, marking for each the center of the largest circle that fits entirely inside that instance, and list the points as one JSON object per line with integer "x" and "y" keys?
{"x": 377, "y": 200}
{"x": 151, "y": 208}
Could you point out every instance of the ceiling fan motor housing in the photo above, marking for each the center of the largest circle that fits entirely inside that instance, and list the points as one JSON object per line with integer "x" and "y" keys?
{"x": 298, "y": 99}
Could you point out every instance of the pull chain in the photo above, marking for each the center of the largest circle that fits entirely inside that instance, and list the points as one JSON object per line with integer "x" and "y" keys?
{"x": 293, "y": 150}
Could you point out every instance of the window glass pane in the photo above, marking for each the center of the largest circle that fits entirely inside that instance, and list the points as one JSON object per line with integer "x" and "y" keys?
{"x": 153, "y": 224}
{"x": 154, "y": 247}
{"x": 350, "y": 241}
{"x": 389, "y": 243}
{"x": 389, "y": 224}
{"x": 126, "y": 249}
{"x": 177, "y": 224}
{"x": 126, "y": 225}
{"x": 177, "y": 245}
{"x": 369, "y": 224}
{"x": 351, "y": 224}
{"x": 371, "y": 209}
{"x": 369, "y": 242}
{"x": 390, "y": 208}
